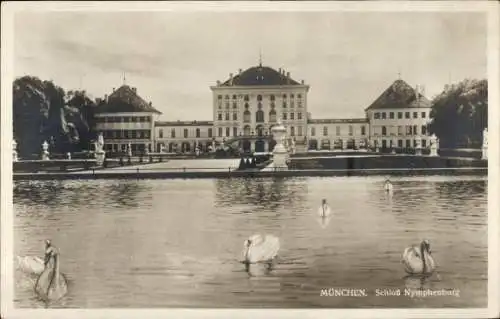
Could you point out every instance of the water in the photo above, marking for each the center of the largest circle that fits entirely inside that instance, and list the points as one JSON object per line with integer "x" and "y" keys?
{"x": 177, "y": 243}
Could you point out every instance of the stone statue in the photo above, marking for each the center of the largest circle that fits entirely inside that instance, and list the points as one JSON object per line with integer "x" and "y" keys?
{"x": 433, "y": 145}
{"x": 100, "y": 143}
{"x": 99, "y": 152}
{"x": 485, "y": 144}
{"x": 45, "y": 151}
{"x": 129, "y": 149}
{"x": 14, "y": 151}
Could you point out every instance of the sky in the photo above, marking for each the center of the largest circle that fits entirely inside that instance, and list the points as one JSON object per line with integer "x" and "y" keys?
{"x": 172, "y": 58}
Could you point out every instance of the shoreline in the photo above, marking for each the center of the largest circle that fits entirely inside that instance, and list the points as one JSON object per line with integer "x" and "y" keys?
{"x": 144, "y": 174}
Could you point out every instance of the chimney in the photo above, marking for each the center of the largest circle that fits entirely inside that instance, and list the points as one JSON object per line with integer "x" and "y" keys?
{"x": 134, "y": 90}
{"x": 288, "y": 77}
{"x": 113, "y": 89}
{"x": 150, "y": 103}
{"x": 218, "y": 83}
{"x": 446, "y": 87}
{"x": 106, "y": 98}
{"x": 230, "y": 79}
{"x": 422, "y": 90}
{"x": 279, "y": 70}
{"x": 417, "y": 92}
{"x": 302, "y": 82}
{"x": 239, "y": 71}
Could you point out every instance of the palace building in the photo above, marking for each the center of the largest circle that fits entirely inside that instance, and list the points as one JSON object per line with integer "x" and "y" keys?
{"x": 246, "y": 106}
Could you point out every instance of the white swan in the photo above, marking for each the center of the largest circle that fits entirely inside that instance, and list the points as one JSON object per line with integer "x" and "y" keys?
{"x": 51, "y": 285}
{"x": 30, "y": 264}
{"x": 324, "y": 210}
{"x": 261, "y": 249}
{"x": 388, "y": 186}
{"x": 418, "y": 260}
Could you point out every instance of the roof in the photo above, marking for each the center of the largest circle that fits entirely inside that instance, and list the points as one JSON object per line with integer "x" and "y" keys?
{"x": 124, "y": 100}
{"x": 260, "y": 75}
{"x": 333, "y": 121}
{"x": 399, "y": 95}
{"x": 184, "y": 123}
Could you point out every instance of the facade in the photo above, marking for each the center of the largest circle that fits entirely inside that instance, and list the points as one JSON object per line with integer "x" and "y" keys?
{"x": 247, "y": 105}
{"x": 124, "y": 119}
{"x": 399, "y": 117}
{"x": 183, "y": 136}
{"x": 341, "y": 134}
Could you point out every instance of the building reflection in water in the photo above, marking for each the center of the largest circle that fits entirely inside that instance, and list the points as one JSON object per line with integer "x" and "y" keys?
{"x": 267, "y": 194}
{"x": 76, "y": 193}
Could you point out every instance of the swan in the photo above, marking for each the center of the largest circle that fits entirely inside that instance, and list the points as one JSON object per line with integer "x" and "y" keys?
{"x": 388, "y": 186}
{"x": 260, "y": 249}
{"x": 51, "y": 285}
{"x": 418, "y": 260}
{"x": 324, "y": 209}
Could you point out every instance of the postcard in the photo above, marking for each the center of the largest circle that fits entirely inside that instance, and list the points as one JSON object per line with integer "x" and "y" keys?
{"x": 250, "y": 159}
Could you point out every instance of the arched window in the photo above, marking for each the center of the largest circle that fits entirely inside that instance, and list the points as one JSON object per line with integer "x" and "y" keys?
{"x": 259, "y": 116}
{"x": 272, "y": 115}
{"x": 260, "y": 130}
{"x": 246, "y": 116}
{"x": 234, "y": 97}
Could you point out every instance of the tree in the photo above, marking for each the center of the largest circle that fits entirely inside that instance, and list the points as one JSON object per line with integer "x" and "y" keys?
{"x": 460, "y": 113}
{"x": 42, "y": 111}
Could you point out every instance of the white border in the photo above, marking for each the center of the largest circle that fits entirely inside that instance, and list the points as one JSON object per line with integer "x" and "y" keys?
{"x": 8, "y": 11}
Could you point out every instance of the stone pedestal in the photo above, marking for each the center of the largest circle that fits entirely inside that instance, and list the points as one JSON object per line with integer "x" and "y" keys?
{"x": 418, "y": 145}
{"x": 280, "y": 154}
{"x": 45, "y": 151}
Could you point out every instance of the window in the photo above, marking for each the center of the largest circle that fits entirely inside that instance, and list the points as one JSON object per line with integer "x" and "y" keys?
{"x": 272, "y": 98}
{"x": 376, "y": 115}
{"x": 325, "y": 130}
{"x": 172, "y": 133}
{"x": 292, "y": 96}
{"x": 337, "y": 130}
{"x": 391, "y": 115}
{"x": 272, "y": 116}
{"x": 134, "y": 134}
{"x": 284, "y": 96}
{"x": 219, "y": 116}
{"x": 235, "y": 131}
{"x": 259, "y": 116}
{"x": 292, "y": 116}
{"x": 234, "y": 97}
{"x": 161, "y": 133}
{"x": 384, "y": 131}
{"x": 424, "y": 143}
{"x": 227, "y": 116}
{"x": 299, "y": 116}
{"x": 415, "y": 131}
{"x": 408, "y": 129}
{"x": 350, "y": 130}
{"x": 219, "y": 97}
{"x": 259, "y": 97}
{"x": 363, "y": 130}
{"x": 246, "y": 116}
{"x": 299, "y": 131}
{"x": 197, "y": 132}
{"x": 220, "y": 131}
{"x": 284, "y": 116}
{"x": 313, "y": 131}
{"x": 185, "y": 133}
{"x": 235, "y": 105}
{"x": 227, "y": 104}
{"x": 400, "y": 143}
{"x": 299, "y": 96}
{"x": 423, "y": 115}
{"x": 407, "y": 115}
{"x": 383, "y": 115}
{"x": 424, "y": 129}
{"x": 292, "y": 131}
{"x": 247, "y": 98}
{"x": 299, "y": 103}
{"x": 235, "y": 116}
{"x": 415, "y": 115}
{"x": 400, "y": 116}
{"x": 209, "y": 132}
{"x": 284, "y": 104}
{"x": 408, "y": 143}
{"x": 228, "y": 131}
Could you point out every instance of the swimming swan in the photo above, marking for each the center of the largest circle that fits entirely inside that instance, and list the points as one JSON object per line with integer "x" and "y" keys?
{"x": 388, "y": 186}
{"x": 419, "y": 260}
{"x": 260, "y": 249}
{"x": 51, "y": 285}
{"x": 324, "y": 209}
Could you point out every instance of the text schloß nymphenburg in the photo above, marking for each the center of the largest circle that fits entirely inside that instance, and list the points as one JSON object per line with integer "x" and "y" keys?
{"x": 343, "y": 292}
{"x": 419, "y": 293}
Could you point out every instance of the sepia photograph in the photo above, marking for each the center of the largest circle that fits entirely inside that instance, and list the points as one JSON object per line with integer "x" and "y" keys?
{"x": 269, "y": 159}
